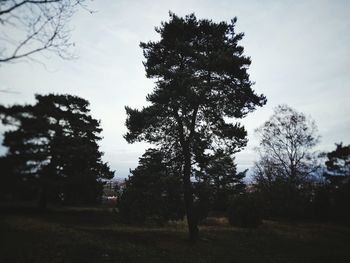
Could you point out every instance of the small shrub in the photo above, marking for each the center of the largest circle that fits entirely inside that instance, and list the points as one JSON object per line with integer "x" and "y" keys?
{"x": 244, "y": 211}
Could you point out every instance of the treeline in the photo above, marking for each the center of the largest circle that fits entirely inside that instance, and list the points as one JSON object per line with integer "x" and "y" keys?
{"x": 53, "y": 157}
{"x": 154, "y": 191}
{"x": 290, "y": 181}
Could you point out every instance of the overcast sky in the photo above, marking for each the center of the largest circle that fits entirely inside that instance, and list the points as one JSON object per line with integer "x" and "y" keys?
{"x": 300, "y": 53}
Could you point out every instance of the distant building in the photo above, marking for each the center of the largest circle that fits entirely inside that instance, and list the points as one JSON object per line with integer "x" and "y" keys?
{"x": 111, "y": 188}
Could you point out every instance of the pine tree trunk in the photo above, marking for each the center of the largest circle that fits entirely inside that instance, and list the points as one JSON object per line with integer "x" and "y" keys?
{"x": 188, "y": 196}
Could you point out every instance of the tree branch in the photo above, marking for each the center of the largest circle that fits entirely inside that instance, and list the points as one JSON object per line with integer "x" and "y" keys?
{"x": 9, "y": 10}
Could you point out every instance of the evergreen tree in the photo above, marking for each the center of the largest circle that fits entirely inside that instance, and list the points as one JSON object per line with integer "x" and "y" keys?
{"x": 202, "y": 82}
{"x": 54, "y": 147}
{"x": 338, "y": 163}
{"x": 338, "y": 188}
{"x": 224, "y": 180}
{"x": 152, "y": 192}
{"x": 215, "y": 183}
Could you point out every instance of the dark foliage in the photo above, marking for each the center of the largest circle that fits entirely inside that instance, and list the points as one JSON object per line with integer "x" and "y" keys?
{"x": 202, "y": 81}
{"x": 333, "y": 198}
{"x": 153, "y": 193}
{"x": 245, "y": 210}
{"x": 202, "y": 203}
{"x": 223, "y": 179}
{"x": 338, "y": 163}
{"x": 53, "y": 150}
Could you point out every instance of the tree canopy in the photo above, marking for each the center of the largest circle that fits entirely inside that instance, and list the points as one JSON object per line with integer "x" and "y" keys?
{"x": 153, "y": 191}
{"x": 338, "y": 161}
{"x": 223, "y": 179}
{"x": 287, "y": 139}
{"x": 53, "y": 145}
{"x": 338, "y": 187}
{"x": 202, "y": 86}
{"x": 288, "y": 165}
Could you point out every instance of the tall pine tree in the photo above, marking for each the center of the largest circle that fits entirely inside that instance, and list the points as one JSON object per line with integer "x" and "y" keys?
{"x": 202, "y": 86}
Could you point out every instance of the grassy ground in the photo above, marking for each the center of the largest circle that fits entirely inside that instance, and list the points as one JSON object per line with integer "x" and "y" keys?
{"x": 93, "y": 236}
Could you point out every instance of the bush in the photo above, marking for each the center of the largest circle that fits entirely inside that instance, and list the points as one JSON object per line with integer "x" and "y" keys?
{"x": 245, "y": 211}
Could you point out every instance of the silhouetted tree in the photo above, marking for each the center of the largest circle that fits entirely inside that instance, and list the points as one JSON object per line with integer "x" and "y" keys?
{"x": 221, "y": 177}
{"x": 30, "y": 27}
{"x": 245, "y": 210}
{"x": 287, "y": 162}
{"x": 53, "y": 145}
{"x": 153, "y": 191}
{"x": 338, "y": 163}
{"x": 10, "y": 182}
{"x": 338, "y": 175}
{"x": 202, "y": 82}
{"x": 285, "y": 146}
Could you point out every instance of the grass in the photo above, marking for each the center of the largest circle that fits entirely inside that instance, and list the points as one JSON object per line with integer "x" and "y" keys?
{"x": 92, "y": 235}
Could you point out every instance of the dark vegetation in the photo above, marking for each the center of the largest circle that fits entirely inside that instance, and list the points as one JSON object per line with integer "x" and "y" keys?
{"x": 293, "y": 181}
{"x": 53, "y": 154}
{"x": 245, "y": 210}
{"x": 201, "y": 92}
{"x": 152, "y": 193}
{"x": 52, "y": 175}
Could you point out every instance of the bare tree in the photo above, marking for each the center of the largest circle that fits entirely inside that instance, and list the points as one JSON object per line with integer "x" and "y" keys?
{"x": 28, "y": 27}
{"x": 287, "y": 139}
